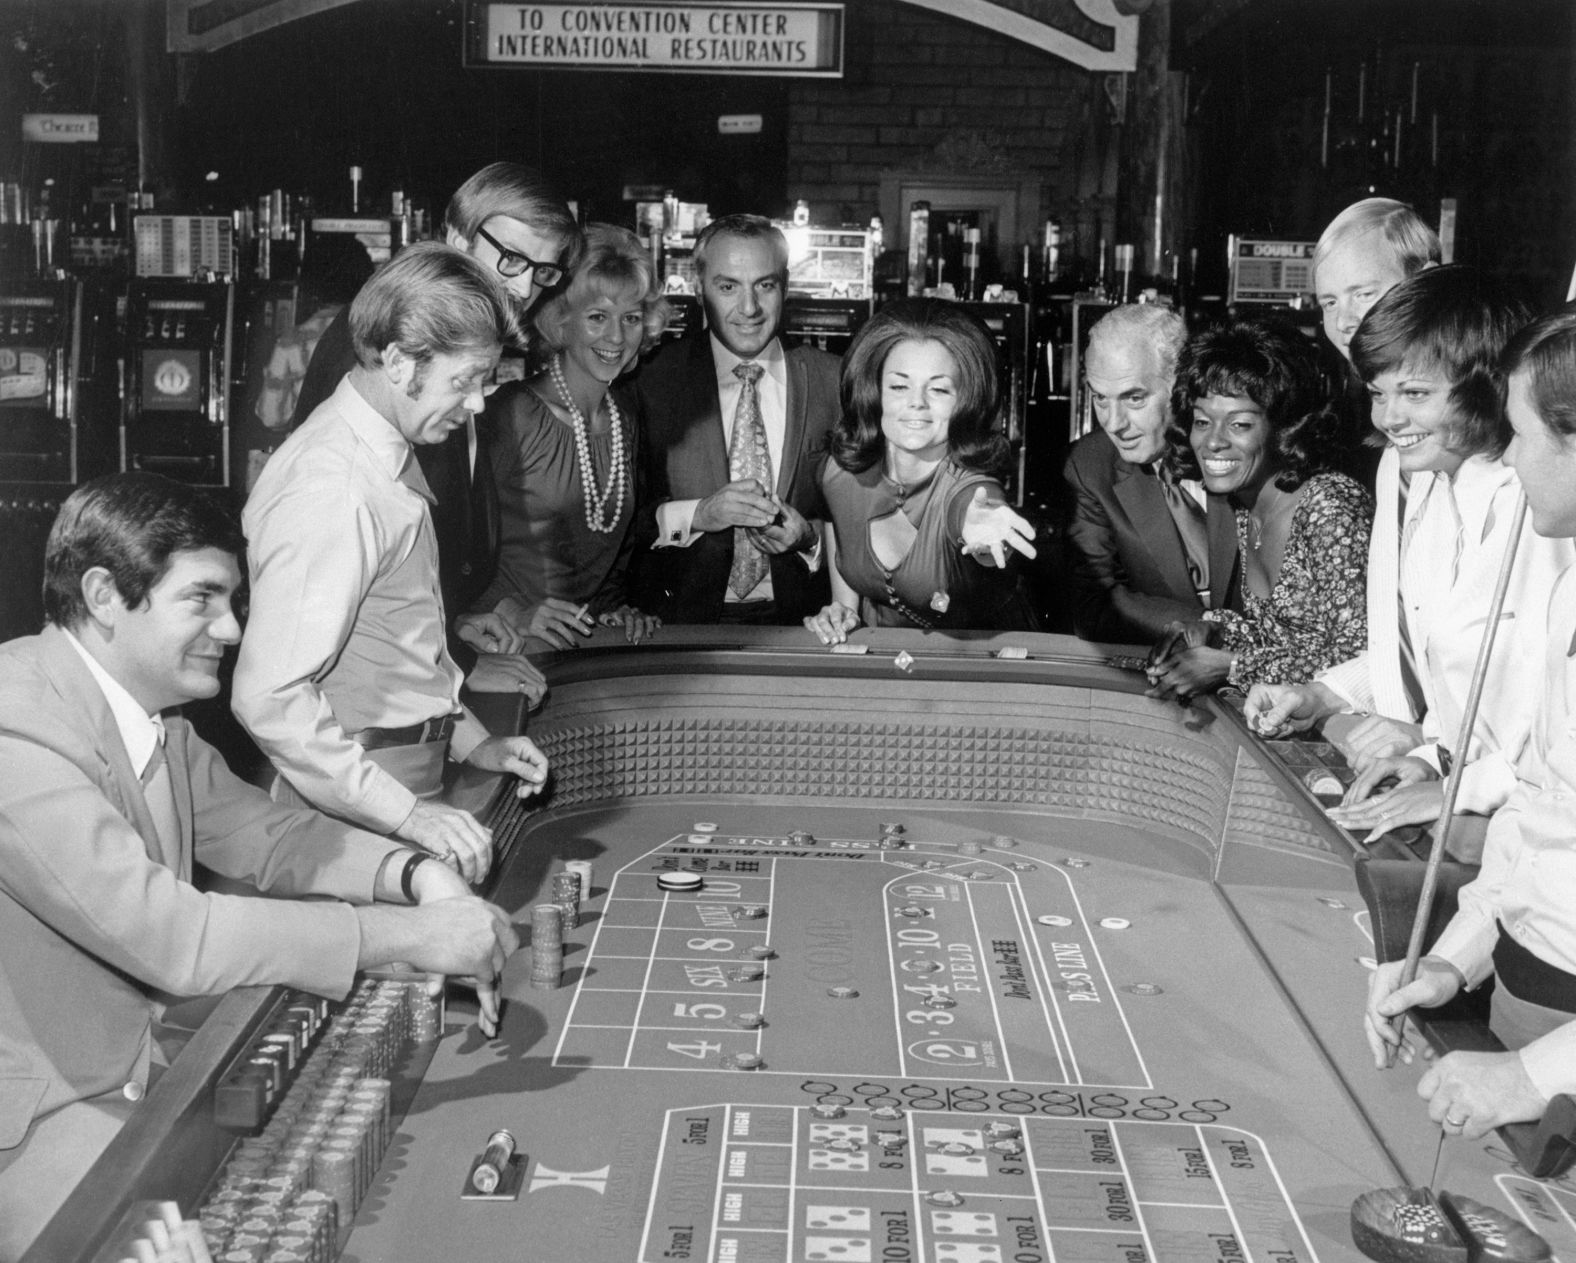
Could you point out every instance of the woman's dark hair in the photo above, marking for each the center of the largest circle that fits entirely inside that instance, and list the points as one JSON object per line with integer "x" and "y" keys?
{"x": 974, "y": 439}
{"x": 1453, "y": 321}
{"x": 1545, "y": 351}
{"x": 1276, "y": 366}
{"x": 130, "y": 524}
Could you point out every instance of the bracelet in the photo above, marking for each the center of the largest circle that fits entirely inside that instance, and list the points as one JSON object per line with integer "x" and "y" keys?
{"x": 416, "y": 860}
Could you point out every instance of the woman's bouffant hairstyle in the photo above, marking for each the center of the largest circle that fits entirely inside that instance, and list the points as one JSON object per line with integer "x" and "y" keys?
{"x": 1453, "y": 321}
{"x": 1545, "y": 351}
{"x": 612, "y": 263}
{"x": 974, "y": 437}
{"x": 1276, "y": 366}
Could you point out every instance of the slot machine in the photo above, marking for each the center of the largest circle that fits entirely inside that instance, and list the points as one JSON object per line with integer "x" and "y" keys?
{"x": 1008, "y": 324}
{"x": 175, "y": 409}
{"x": 47, "y": 444}
{"x": 827, "y": 323}
{"x": 40, "y": 349}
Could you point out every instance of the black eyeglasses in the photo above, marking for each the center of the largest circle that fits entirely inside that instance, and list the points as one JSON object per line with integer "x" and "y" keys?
{"x": 512, "y": 263}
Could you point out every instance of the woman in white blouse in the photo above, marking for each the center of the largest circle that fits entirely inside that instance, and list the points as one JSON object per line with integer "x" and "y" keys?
{"x": 1427, "y": 351}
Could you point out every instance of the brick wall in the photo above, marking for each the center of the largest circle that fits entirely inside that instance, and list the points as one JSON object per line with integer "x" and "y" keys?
{"x": 916, "y": 80}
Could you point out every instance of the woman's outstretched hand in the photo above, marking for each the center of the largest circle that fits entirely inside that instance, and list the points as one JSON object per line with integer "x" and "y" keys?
{"x": 993, "y": 527}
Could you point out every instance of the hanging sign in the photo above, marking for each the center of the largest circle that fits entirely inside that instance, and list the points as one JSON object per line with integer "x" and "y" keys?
{"x": 721, "y": 38}
{"x": 60, "y": 129}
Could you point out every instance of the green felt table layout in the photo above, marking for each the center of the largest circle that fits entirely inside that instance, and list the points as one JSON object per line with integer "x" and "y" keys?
{"x": 993, "y": 960}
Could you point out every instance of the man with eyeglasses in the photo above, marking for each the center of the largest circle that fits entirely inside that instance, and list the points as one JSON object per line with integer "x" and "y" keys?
{"x": 510, "y": 219}
{"x": 343, "y": 678}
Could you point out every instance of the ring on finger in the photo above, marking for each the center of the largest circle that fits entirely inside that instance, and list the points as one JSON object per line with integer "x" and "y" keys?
{"x": 1455, "y": 1122}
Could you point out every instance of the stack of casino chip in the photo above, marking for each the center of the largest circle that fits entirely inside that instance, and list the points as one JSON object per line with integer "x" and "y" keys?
{"x": 566, "y": 894}
{"x": 284, "y": 1193}
{"x": 547, "y": 946}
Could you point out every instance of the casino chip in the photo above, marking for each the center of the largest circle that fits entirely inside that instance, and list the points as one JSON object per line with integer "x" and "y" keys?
{"x": 680, "y": 881}
{"x": 751, "y": 911}
{"x": 1115, "y": 923}
{"x": 1072, "y": 861}
{"x": 909, "y": 910}
{"x": 891, "y": 1139}
{"x": 1052, "y": 919}
{"x": 747, "y": 1061}
{"x": 955, "y": 1149}
{"x": 842, "y": 993}
{"x": 702, "y": 839}
{"x": 969, "y": 848}
{"x": 939, "y": 1002}
{"x": 843, "y": 1146}
{"x": 749, "y": 1021}
{"x": 705, "y": 826}
{"x": 887, "y": 1114}
{"x": 1145, "y": 988}
{"x": 828, "y": 1112}
{"x": 1003, "y": 842}
{"x": 998, "y": 1130}
{"x": 763, "y": 951}
{"x": 944, "y": 1197}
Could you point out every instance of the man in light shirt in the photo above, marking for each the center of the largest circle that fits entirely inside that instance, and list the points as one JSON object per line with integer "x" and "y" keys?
{"x": 345, "y": 679}
{"x": 108, "y": 803}
{"x": 737, "y": 427}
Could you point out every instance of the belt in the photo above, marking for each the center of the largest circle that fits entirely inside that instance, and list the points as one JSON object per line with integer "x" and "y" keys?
{"x": 439, "y": 729}
{"x": 1531, "y": 978}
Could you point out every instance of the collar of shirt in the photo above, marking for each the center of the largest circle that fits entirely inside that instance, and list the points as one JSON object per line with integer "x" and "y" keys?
{"x": 379, "y": 435}
{"x": 771, "y": 359}
{"x": 140, "y": 732}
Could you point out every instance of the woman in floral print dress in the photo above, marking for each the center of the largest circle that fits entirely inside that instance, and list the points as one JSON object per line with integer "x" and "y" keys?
{"x": 1256, "y": 424}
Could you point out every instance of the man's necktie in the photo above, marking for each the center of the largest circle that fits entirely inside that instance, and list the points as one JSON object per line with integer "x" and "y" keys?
{"x": 1192, "y": 529}
{"x": 748, "y": 457}
{"x": 159, "y": 792}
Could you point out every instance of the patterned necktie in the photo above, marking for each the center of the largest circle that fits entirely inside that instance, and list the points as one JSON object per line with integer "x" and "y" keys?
{"x": 159, "y": 793}
{"x": 748, "y": 457}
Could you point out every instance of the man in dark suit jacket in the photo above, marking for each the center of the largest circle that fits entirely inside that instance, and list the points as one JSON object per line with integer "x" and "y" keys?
{"x": 108, "y": 800}
{"x": 704, "y": 512}
{"x": 1147, "y": 549}
{"x": 507, "y": 216}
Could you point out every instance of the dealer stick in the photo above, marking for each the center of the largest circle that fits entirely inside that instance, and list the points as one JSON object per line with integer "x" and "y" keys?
{"x": 1425, "y": 898}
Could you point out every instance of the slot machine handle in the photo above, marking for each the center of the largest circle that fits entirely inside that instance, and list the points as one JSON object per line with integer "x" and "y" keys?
{"x": 1545, "y": 1148}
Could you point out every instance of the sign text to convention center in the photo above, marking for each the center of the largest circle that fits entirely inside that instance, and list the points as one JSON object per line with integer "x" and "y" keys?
{"x": 720, "y": 38}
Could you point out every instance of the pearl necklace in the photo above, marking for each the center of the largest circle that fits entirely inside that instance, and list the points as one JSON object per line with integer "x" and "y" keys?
{"x": 597, "y": 517}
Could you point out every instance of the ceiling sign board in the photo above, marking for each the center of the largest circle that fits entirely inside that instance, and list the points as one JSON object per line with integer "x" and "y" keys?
{"x": 722, "y": 38}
